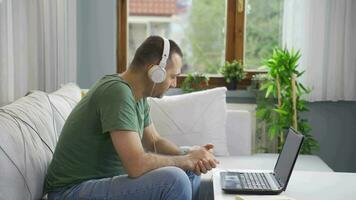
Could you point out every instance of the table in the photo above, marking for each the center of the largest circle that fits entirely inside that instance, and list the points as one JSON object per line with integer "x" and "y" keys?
{"x": 311, "y": 179}
{"x": 266, "y": 161}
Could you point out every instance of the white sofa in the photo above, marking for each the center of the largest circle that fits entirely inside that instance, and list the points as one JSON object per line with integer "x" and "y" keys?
{"x": 30, "y": 126}
{"x": 29, "y": 130}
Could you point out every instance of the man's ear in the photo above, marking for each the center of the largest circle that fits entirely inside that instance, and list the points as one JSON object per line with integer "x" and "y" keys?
{"x": 149, "y": 66}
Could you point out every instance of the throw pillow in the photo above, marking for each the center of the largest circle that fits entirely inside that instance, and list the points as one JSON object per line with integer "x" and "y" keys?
{"x": 192, "y": 119}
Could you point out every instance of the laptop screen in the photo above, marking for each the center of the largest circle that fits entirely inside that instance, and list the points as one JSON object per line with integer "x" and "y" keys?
{"x": 287, "y": 157}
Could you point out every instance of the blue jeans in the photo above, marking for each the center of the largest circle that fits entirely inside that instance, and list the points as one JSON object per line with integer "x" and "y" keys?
{"x": 163, "y": 183}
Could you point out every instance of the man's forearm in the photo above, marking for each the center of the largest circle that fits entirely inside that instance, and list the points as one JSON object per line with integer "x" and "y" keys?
{"x": 166, "y": 147}
{"x": 150, "y": 161}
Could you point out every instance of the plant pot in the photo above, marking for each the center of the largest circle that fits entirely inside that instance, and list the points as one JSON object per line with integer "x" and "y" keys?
{"x": 232, "y": 85}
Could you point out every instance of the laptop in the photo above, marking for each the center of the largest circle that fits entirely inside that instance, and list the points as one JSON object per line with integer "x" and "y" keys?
{"x": 264, "y": 183}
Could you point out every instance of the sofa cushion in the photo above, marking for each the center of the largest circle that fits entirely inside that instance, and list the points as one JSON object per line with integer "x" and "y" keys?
{"x": 28, "y": 135}
{"x": 27, "y": 140}
{"x": 192, "y": 119}
{"x": 62, "y": 102}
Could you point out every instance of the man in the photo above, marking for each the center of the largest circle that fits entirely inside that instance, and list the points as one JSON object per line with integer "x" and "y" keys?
{"x": 109, "y": 149}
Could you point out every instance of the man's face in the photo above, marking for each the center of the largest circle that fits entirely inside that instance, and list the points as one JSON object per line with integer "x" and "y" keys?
{"x": 173, "y": 70}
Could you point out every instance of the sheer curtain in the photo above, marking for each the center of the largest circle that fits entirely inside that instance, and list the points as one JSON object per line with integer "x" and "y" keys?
{"x": 37, "y": 46}
{"x": 325, "y": 32}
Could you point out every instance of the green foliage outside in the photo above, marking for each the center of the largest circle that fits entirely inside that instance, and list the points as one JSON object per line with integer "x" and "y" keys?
{"x": 263, "y": 30}
{"x": 206, "y": 36}
{"x": 206, "y": 30}
{"x": 195, "y": 82}
{"x": 282, "y": 84}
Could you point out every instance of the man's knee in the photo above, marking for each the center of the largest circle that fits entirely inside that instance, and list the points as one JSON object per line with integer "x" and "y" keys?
{"x": 178, "y": 179}
{"x": 174, "y": 174}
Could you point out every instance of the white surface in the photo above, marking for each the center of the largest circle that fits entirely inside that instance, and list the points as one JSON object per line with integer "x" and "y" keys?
{"x": 239, "y": 132}
{"x": 308, "y": 185}
{"x": 267, "y": 162}
{"x": 255, "y": 197}
{"x": 258, "y": 162}
{"x": 325, "y": 32}
{"x": 23, "y": 178}
{"x": 311, "y": 179}
{"x": 62, "y": 103}
{"x": 192, "y": 119}
{"x": 38, "y": 46}
{"x": 23, "y": 156}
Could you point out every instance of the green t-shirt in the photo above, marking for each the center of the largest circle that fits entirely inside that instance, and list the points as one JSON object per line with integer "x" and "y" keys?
{"x": 84, "y": 150}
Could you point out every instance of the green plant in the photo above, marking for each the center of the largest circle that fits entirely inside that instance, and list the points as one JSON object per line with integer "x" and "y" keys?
{"x": 257, "y": 80}
{"x": 283, "y": 86}
{"x": 195, "y": 82}
{"x": 233, "y": 71}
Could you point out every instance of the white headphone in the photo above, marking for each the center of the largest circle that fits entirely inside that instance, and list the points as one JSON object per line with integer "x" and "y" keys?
{"x": 157, "y": 73}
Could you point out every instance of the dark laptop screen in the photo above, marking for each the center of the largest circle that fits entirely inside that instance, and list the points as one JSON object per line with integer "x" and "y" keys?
{"x": 287, "y": 157}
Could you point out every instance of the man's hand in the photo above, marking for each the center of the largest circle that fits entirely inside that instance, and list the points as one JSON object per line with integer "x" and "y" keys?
{"x": 209, "y": 147}
{"x": 206, "y": 163}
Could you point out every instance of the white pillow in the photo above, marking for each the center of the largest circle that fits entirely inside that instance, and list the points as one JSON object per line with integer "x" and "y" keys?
{"x": 192, "y": 119}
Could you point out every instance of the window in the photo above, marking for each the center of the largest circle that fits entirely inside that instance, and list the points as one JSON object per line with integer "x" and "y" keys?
{"x": 201, "y": 36}
{"x": 209, "y": 32}
{"x": 263, "y": 30}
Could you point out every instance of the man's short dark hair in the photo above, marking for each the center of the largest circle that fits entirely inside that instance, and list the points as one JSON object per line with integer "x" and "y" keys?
{"x": 150, "y": 52}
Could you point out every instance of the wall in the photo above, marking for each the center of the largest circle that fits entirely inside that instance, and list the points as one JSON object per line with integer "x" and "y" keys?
{"x": 96, "y": 21}
{"x": 334, "y": 126}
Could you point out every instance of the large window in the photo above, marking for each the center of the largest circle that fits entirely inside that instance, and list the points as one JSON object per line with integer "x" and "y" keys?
{"x": 209, "y": 31}
{"x": 263, "y": 30}
{"x": 200, "y": 35}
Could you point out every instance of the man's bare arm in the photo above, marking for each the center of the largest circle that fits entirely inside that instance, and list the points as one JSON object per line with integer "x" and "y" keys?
{"x": 137, "y": 162}
{"x": 153, "y": 142}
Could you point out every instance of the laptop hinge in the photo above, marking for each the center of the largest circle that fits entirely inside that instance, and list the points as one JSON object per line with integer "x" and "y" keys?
{"x": 277, "y": 181}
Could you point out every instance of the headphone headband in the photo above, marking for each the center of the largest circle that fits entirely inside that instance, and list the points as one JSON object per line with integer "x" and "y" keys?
{"x": 165, "y": 53}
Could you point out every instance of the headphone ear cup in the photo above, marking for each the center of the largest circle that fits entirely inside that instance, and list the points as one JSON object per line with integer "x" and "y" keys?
{"x": 157, "y": 74}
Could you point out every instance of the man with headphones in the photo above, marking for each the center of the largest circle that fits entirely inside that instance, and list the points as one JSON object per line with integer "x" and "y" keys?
{"x": 109, "y": 148}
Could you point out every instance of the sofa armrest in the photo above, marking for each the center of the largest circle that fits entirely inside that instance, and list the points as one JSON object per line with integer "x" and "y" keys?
{"x": 239, "y": 132}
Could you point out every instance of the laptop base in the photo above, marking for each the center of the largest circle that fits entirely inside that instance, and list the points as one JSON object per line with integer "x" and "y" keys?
{"x": 230, "y": 186}
{"x": 254, "y": 192}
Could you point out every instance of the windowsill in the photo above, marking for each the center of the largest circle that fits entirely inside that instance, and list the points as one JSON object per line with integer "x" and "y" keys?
{"x": 232, "y": 96}
{"x": 219, "y": 81}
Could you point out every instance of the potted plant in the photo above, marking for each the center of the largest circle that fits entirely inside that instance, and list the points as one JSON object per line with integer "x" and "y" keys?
{"x": 194, "y": 82}
{"x": 233, "y": 72}
{"x": 284, "y": 111}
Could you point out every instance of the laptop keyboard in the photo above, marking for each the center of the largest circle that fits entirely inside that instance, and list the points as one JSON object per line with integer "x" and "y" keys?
{"x": 254, "y": 181}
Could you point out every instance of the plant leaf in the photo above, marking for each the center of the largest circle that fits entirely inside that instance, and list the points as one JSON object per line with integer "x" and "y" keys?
{"x": 281, "y": 111}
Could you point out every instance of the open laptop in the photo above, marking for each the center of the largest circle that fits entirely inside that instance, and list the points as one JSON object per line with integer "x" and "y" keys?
{"x": 250, "y": 182}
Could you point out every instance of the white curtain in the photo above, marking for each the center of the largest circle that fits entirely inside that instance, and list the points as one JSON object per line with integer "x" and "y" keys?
{"x": 325, "y": 32}
{"x": 37, "y": 46}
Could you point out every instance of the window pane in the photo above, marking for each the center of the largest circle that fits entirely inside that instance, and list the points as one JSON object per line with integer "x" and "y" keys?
{"x": 197, "y": 26}
{"x": 263, "y": 30}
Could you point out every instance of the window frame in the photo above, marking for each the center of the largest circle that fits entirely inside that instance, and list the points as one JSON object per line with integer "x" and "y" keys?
{"x": 234, "y": 45}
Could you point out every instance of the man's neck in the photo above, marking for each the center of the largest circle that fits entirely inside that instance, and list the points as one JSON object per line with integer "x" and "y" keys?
{"x": 136, "y": 82}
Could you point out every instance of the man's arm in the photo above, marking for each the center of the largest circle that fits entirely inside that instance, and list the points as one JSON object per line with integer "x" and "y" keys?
{"x": 137, "y": 162}
{"x": 153, "y": 142}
